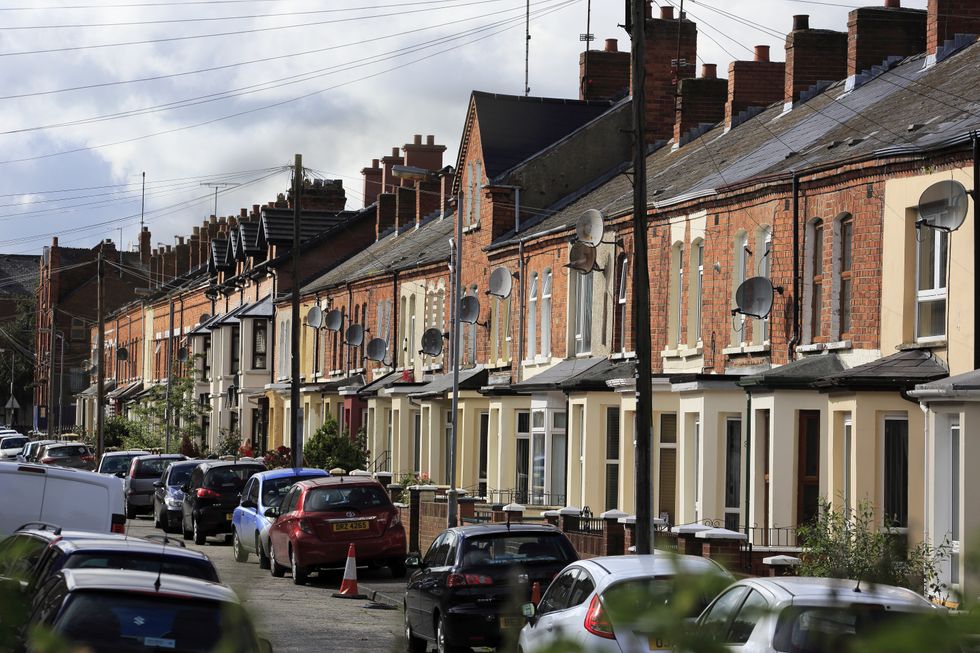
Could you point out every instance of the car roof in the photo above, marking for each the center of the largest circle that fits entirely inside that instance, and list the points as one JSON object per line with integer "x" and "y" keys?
{"x": 362, "y": 481}
{"x": 58, "y": 445}
{"x": 802, "y": 590}
{"x": 162, "y": 456}
{"x": 50, "y": 534}
{"x": 659, "y": 563}
{"x": 144, "y": 582}
{"x": 214, "y": 464}
{"x": 129, "y": 452}
{"x": 128, "y": 545}
{"x": 474, "y": 530}
{"x": 291, "y": 471}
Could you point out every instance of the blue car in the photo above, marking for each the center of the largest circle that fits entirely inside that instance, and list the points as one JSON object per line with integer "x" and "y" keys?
{"x": 167, "y": 495}
{"x": 249, "y": 525}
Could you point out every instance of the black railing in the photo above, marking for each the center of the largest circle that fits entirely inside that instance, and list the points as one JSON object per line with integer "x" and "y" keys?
{"x": 585, "y": 525}
{"x": 382, "y": 462}
{"x": 525, "y": 497}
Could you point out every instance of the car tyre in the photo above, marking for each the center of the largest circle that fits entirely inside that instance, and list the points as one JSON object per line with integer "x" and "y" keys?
{"x": 157, "y": 519}
{"x": 264, "y": 562}
{"x": 199, "y": 536}
{"x": 397, "y": 567}
{"x": 130, "y": 512}
{"x": 414, "y": 644}
{"x": 241, "y": 555}
{"x": 186, "y": 533}
{"x": 278, "y": 571}
{"x": 443, "y": 646}
{"x": 300, "y": 574}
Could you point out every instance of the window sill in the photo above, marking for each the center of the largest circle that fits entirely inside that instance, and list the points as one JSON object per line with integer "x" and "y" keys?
{"x": 682, "y": 351}
{"x": 623, "y": 355}
{"x": 925, "y": 343}
{"x": 471, "y": 228}
{"x": 824, "y": 346}
{"x": 499, "y": 365}
{"x": 738, "y": 350}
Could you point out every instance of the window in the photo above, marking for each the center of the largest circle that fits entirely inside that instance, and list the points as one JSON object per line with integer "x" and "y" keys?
{"x": 733, "y": 472}
{"x": 932, "y": 250}
{"x": 448, "y": 448}
{"x": 559, "y": 458}
{"x": 78, "y": 330}
{"x": 556, "y": 598}
{"x": 621, "y": 303}
{"x": 697, "y": 467}
{"x": 845, "y": 228}
{"x": 667, "y": 479}
{"x": 477, "y": 192}
{"x": 955, "y": 501}
{"x": 483, "y": 454}
{"x": 537, "y": 460}
{"x": 848, "y": 445}
{"x": 206, "y": 358}
{"x": 896, "y": 472}
{"x": 523, "y": 456}
{"x": 816, "y": 280}
{"x": 697, "y": 290}
{"x": 753, "y": 609}
{"x": 259, "y": 337}
{"x": 389, "y": 438}
{"x": 235, "y": 351}
{"x": 416, "y": 441}
{"x": 412, "y": 347}
{"x": 546, "y": 313}
{"x": 468, "y": 195}
{"x": 470, "y": 351}
{"x": 612, "y": 457}
{"x": 717, "y": 619}
{"x": 763, "y": 247}
{"x": 676, "y": 295}
{"x": 532, "y": 315}
{"x": 583, "y": 312}
{"x": 740, "y": 262}
{"x": 507, "y": 333}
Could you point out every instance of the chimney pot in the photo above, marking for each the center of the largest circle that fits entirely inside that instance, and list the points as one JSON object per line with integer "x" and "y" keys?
{"x": 893, "y": 4}
{"x": 375, "y": 163}
{"x": 417, "y": 139}
{"x": 801, "y": 22}
{"x": 709, "y": 71}
{"x": 197, "y": 231}
{"x": 667, "y": 12}
{"x": 255, "y": 208}
{"x": 762, "y": 53}
{"x": 430, "y": 139}
{"x": 180, "y": 240}
{"x": 612, "y": 45}
{"x": 395, "y": 152}
{"x": 244, "y": 213}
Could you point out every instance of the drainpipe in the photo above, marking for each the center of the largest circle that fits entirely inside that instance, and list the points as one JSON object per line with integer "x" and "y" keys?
{"x": 795, "y": 340}
{"x": 976, "y": 247}
{"x": 925, "y": 469}
{"x": 350, "y": 308}
{"x": 748, "y": 464}
{"x": 520, "y": 316}
{"x": 394, "y": 319}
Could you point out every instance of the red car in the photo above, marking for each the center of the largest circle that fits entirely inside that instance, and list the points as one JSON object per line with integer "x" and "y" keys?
{"x": 319, "y": 518}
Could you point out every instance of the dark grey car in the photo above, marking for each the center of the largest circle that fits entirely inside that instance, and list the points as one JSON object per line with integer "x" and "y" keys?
{"x": 32, "y": 449}
{"x": 68, "y": 454}
{"x": 144, "y": 471}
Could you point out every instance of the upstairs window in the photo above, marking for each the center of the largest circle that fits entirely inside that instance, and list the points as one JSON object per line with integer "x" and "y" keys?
{"x": 763, "y": 248}
{"x": 621, "y": 303}
{"x": 546, "y": 313}
{"x": 816, "y": 280}
{"x": 532, "y": 315}
{"x": 235, "y": 349}
{"x": 259, "y": 340}
{"x": 740, "y": 272}
{"x": 932, "y": 252}
{"x": 697, "y": 290}
{"x": 583, "y": 312}
{"x": 676, "y": 295}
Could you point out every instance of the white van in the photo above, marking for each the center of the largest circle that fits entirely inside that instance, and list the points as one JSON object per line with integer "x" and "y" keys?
{"x": 71, "y": 498}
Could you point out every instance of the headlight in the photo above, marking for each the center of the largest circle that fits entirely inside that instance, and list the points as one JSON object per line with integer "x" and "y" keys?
{"x": 172, "y": 503}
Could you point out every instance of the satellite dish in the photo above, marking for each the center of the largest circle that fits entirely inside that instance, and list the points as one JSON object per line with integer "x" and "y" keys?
{"x": 754, "y": 297}
{"x": 581, "y": 257}
{"x": 334, "y": 320}
{"x": 314, "y": 317}
{"x": 122, "y": 354}
{"x": 354, "y": 336}
{"x": 943, "y": 206}
{"x": 588, "y": 228}
{"x": 204, "y": 318}
{"x": 376, "y": 350}
{"x": 432, "y": 342}
{"x": 501, "y": 283}
{"x": 182, "y": 354}
{"x": 469, "y": 309}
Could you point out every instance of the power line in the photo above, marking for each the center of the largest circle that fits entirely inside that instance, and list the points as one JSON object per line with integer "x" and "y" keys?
{"x": 135, "y": 4}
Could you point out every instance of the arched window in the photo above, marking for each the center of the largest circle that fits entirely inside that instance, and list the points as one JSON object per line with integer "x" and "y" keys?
{"x": 546, "y": 280}
{"x": 582, "y": 311}
{"x": 532, "y": 315}
{"x": 675, "y": 294}
{"x": 763, "y": 267}
{"x": 813, "y": 273}
{"x": 621, "y": 304}
{"x": 843, "y": 271}
{"x": 696, "y": 292}
{"x": 740, "y": 272}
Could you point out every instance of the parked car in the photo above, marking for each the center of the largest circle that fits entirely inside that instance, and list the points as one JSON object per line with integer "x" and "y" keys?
{"x": 819, "y": 615}
{"x": 143, "y": 472}
{"x": 210, "y": 497}
{"x": 71, "y": 498}
{"x": 168, "y": 495}
{"x": 12, "y": 445}
{"x": 580, "y": 606}
{"x": 107, "y": 611}
{"x": 67, "y": 454}
{"x": 117, "y": 462}
{"x": 318, "y": 520}
{"x": 250, "y": 526}
{"x": 20, "y": 551}
{"x": 468, "y": 588}
{"x": 31, "y": 449}
{"x": 122, "y": 553}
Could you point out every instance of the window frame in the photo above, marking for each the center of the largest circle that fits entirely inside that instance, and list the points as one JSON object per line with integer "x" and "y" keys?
{"x": 582, "y": 330}
{"x": 621, "y": 301}
{"x": 257, "y": 327}
{"x": 817, "y": 280}
{"x": 940, "y": 270}
{"x": 532, "y": 323}
{"x": 845, "y": 276}
{"x": 547, "y": 282}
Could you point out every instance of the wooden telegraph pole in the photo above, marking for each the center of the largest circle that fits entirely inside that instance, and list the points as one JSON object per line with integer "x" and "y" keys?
{"x": 100, "y": 346}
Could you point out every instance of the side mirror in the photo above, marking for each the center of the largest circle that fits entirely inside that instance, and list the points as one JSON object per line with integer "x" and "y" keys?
{"x": 530, "y": 612}
{"x": 265, "y": 646}
{"x": 413, "y": 562}
{"x": 248, "y": 503}
{"x": 120, "y": 474}
{"x": 272, "y": 512}
{"x": 157, "y": 484}
{"x": 185, "y": 488}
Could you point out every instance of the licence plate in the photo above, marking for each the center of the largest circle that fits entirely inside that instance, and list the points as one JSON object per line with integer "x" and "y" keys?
{"x": 227, "y": 517}
{"x": 510, "y": 622}
{"x": 346, "y": 526}
{"x": 659, "y": 644}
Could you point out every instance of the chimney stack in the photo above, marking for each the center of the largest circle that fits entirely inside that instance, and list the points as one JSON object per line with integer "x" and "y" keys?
{"x": 604, "y": 74}
{"x": 700, "y": 102}
{"x": 386, "y": 212}
{"x": 813, "y": 56}
{"x": 875, "y": 34}
{"x": 426, "y": 155}
{"x": 405, "y": 207}
{"x": 753, "y": 85}
{"x": 948, "y": 18}
{"x": 667, "y": 39}
{"x": 144, "y": 245}
{"x": 372, "y": 182}
{"x": 322, "y": 195}
{"x": 388, "y": 181}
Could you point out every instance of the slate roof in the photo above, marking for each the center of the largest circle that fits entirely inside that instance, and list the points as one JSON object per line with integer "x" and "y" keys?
{"x": 952, "y": 386}
{"x": 513, "y": 127}
{"x": 19, "y": 274}
{"x": 873, "y": 120}
{"x": 901, "y": 370}
{"x": 412, "y": 248}
{"x": 248, "y": 234}
{"x": 219, "y": 253}
{"x": 472, "y": 378}
{"x": 595, "y": 378}
{"x": 802, "y": 373}
{"x": 261, "y": 309}
{"x": 553, "y": 377}
{"x": 386, "y": 381}
{"x": 277, "y": 224}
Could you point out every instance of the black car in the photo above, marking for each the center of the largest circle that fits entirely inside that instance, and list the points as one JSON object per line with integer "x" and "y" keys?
{"x": 468, "y": 588}
{"x": 167, "y": 495}
{"x": 211, "y": 495}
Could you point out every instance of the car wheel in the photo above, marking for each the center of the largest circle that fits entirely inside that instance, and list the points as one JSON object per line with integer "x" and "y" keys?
{"x": 199, "y": 536}
{"x": 415, "y": 644}
{"x": 130, "y": 512}
{"x": 157, "y": 520}
{"x": 278, "y": 571}
{"x": 397, "y": 567}
{"x": 186, "y": 533}
{"x": 263, "y": 557}
{"x": 443, "y": 646}
{"x": 300, "y": 574}
{"x": 241, "y": 555}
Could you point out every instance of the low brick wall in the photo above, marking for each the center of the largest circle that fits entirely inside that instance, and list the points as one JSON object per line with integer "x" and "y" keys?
{"x": 432, "y": 521}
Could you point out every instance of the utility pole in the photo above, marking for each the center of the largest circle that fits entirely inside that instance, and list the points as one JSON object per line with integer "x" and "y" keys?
{"x": 170, "y": 362}
{"x": 61, "y": 379}
{"x": 295, "y": 326}
{"x": 452, "y": 499}
{"x": 641, "y": 292}
{"x": 51, "y": 370}
{"x": 100, "y": 346}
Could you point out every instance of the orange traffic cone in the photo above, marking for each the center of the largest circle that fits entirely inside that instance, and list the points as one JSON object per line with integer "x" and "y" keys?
{"x": 348, "y": 587}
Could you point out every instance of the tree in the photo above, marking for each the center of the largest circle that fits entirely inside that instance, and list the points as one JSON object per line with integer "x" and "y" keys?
{"x": 186, "y": 413}
{"x": 329, "y": 448}
{"x": 18, "y": 335}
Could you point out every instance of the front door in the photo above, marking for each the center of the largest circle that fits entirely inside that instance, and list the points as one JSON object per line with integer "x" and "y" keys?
{"x": 808, "y": 468}
{"x": 733, "y": 472}
{"x": 484, "y": 453}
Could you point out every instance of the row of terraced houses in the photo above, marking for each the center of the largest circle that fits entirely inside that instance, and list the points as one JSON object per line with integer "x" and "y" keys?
{"x": 860, "y": 384}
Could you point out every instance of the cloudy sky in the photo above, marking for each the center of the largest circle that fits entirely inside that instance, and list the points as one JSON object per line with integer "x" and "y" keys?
{"x": 199, "y": 93}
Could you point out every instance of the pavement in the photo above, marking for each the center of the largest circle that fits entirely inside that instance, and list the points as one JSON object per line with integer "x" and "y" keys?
{"x": 301, "y": 618}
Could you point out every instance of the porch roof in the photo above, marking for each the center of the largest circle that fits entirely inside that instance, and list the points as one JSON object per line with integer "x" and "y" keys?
{"x": 598, "y": 376}
{"x": 125, "y": 391}
{"x": 802, "y": 373}
{"x": 472, "y": 378}
{"x": 556, "y": 376}
{"x": 93, "y": 389}
{"x": 388, "y": 380}
{"x": 900, "y": 371}
{"x": 260, "y": 309}
{"x": 333, "y": 385}
{"x": 202, "y": 329}
{"x": 961, "y": 385}
{"x": 229, "y": 318}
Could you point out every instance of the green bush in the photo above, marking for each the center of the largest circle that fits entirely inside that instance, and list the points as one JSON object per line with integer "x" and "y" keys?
{"x": 329, "y": 448}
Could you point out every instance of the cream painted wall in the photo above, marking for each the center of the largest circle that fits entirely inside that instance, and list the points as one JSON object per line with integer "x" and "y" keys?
{"x": 898, "y": 289}
{"x": 627, "y": 402}
{"x": 471, "y": 404}
{"x": 502, "y": 468}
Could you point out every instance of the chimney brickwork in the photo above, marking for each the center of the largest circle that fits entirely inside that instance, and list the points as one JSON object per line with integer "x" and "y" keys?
{"x": 812, "y": 56}
{"x": 372, "y": 182}
{"x": 699, "y": 101}
{"x": 876, "y": 33}
{"x": 385, "y": 214}
{"x": 604, "y": 74}
{"x": 947, "y": 18}
{"x": 756, "y": 83}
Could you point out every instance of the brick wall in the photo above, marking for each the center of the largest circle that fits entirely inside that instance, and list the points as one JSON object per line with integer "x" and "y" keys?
{"x": 756, "y": 83}
{"x": 604, "y": 74}
{"x": 664, "y": 45}
{"x": 947, "y": 18}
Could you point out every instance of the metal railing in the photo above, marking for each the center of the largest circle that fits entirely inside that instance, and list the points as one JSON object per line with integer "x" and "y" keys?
{"x": 525, "y": 497}
{"x": 382, "y": 462}
{"x": 592, "y": 525}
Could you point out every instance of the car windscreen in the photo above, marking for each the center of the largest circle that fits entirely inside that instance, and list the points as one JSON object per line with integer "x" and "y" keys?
{"x": 327, "y": 499}
{"x": 802, "y": 629}
{"x": 151, "y": 467}
{"x": 176, "y": 565}
{"x": 274, "y": 489}
{"x": 640, "y": 596}
{"x": 508, "y": 548}
{"x": 180, "y": 474}
{"x": 231, "y": 478}
{"x": 123, "y": 622}
{"x": 115, "y": 464}
{"x": 66, "y": 451}
{"x": 13, "y": 443}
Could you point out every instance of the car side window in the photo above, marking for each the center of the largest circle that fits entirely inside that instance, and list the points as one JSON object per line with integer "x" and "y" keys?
{"x": 718, "y": 616}
{"x": 247, "y": 490}
{"x": 288, "y": 502}
{"x": 253, "y": 492}
{"x": 584, "y": 587}
{"x": 452, "y": 550}
{"x": 197, "y": 476}
{"x": 436, "y": 555}
{"x": 556, "y": 598}
{"x": 753, "y": 608}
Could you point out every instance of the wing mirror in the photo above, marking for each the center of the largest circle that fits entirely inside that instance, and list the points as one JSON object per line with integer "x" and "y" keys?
{"x": 185, "y": 488}
{"x": 530, "y": 612}
{"x": 157, "y": 484}
{"x": 272, "y": 512}
{"x": 412, "y": 562}
{"x": 248, "y": 503}
{"x": 120, "y": 474}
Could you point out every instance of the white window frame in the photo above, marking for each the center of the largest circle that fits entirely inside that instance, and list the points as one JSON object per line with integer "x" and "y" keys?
{"x": 902, "y": 417}
{"x": 939, "y": 291}
{"x": 699, "y": 295}
{"x": 583, "y": 313}
{"x": 532, "y": 316}
{"x": 621, "y": 301}
{"x": 848, "y": 451}
{"x": 546, "y": 287}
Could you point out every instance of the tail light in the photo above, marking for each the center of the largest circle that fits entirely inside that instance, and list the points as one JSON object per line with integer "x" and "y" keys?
{"x": 89, "y": 458}
{"x": 306, "y": 526}
{"x": 396, "y": 519}
{"x": 118, "y": 524}
{"x": 596, "y": 621}
{"x": 467, "y": 580}
{"x": 205, "y": 493}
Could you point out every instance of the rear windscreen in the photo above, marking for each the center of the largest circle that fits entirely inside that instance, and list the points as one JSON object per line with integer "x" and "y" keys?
{"x": 151, "y": 468}
{"x": 10, "y": 443}
{"x": 508, "y": 548}
{"x": 829, "y": 629}
{"x": 68, "y": 451}
{"x": 274, "y": 489}
{"x": 114, "y": 464}
{"x": 326, "y": 499}
{"x": 179, "y": 566}
{"x": 225, "y": 479}
{"x": 642, "y": 595}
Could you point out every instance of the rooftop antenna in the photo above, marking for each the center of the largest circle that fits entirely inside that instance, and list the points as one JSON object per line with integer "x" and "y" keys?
{"x": 527, "y": 46}
{"x": 588, "y": 37}
{"x": 142, "y": 201}
{"x": 216, "y": 185}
